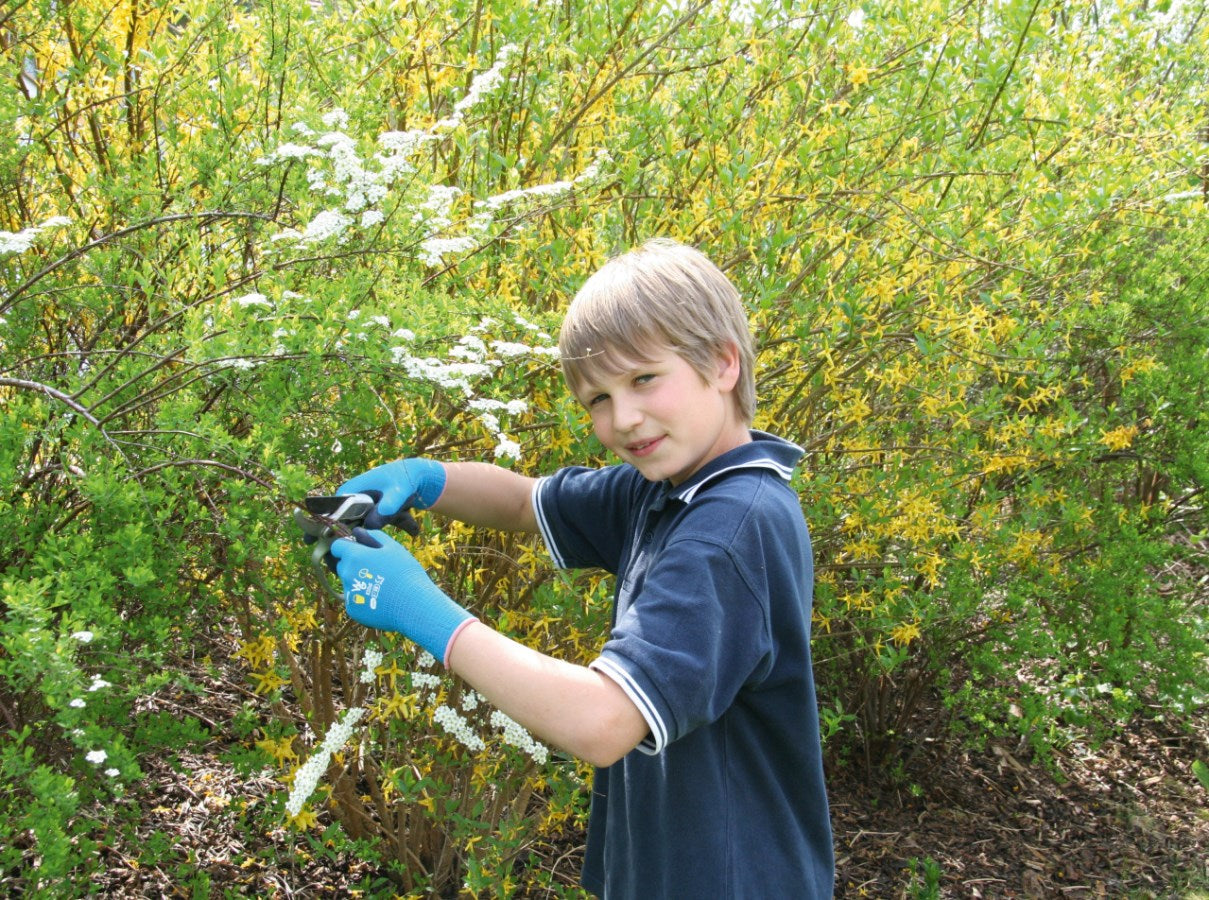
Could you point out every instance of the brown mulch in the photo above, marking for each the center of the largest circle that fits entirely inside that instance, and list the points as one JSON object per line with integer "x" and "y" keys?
{"x": 1127, "y": 818}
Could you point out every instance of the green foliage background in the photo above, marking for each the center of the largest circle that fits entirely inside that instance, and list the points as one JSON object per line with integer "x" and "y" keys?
{"x": 972, "y": 237}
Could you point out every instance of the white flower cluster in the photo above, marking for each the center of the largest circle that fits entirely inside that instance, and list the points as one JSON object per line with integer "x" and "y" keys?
{"x": 427, "y": 684}
{"x": 371, "y": 661}
{"x": 487, "y": 408}
{"x": 361, "y": 187}
{"x": 337, "y": 118}
{"x": 306, "y": 779}
{"x": 434, "y": 250}
{"x": 359, "y": 183}
{"x": 363, "y": 184}
{"x": 510, "y": 349}
{"x": 453, "y": 376}
{"x": 515, "y": 735}
{"x": 482, "y": 85}
{"x": 549, "y": 191}
{"x": 436, "y": 213}
{"x": 455, "y": 724}
{"x": 504, "y": 445}
{"x": 337, "y": 170}
{"x": 514, "y": 200}
{"x": 252, "y": 299}
{"x": 20, "y": 241}
{"x": 472, "y": 360}
{"x": 328, "y": 224}
{"x": 471, "y": 701}
{"x": 401, "y": 145}
{"x": 291, "y": 151}
{"x": 530, "y": 326}
{"x": 512, "y": 407}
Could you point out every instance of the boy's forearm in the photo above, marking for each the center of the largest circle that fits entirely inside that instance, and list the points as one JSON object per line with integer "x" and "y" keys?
{"x": 571, "y": 707}
{"x": 487, "y": 495}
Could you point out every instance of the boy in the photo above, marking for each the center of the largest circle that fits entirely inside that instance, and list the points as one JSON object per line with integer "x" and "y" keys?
{"x": 700, "y": 711}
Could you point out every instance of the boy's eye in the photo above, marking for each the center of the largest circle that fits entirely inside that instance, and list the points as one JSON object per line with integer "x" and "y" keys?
{"x": 598, "y": 398}
{"x": 644, "y": 379}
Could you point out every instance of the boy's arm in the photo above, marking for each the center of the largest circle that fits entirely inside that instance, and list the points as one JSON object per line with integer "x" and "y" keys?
{"x": 569, "y": 706}
{"x": 487, "y": 495}
{"x": 475, "y": 493}
{"x": 572, "y": 707}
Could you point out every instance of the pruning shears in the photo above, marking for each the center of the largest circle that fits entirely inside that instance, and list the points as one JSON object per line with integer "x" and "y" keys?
{"x": 323, "y": 519}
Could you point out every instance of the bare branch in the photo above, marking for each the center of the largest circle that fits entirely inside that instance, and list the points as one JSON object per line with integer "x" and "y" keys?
{"x": 212, "y": 463}
{"x": 54, "y": 394}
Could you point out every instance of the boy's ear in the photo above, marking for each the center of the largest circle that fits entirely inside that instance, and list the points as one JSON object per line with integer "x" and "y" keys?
{"x": 729, "y": 366}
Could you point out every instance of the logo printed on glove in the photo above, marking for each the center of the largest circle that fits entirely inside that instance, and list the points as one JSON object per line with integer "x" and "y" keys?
{"x": 366, "y": 583}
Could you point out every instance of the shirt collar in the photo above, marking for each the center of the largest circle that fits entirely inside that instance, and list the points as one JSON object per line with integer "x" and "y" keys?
{"x": 765, "y": 451}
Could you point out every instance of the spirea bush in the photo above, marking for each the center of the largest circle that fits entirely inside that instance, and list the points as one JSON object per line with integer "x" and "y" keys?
{"x": 248, "y": 251}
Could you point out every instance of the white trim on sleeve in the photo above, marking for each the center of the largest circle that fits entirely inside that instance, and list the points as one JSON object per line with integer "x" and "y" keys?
{"x": 657, "y": 739}
{"x": 543, "y": 526}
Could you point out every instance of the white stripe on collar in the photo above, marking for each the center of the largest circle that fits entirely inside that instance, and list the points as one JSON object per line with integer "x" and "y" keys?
{"x": 784, "y": 471}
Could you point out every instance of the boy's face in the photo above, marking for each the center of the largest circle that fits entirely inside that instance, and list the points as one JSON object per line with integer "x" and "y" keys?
{"x": 662, "y": 417}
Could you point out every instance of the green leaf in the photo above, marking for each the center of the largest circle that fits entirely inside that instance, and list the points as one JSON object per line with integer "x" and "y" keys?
{"x": 1201, "y": 771}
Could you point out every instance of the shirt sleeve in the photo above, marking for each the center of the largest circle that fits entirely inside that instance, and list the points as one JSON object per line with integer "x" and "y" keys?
{"x": 583, "y": 516}
{"x": 697, "y": 632}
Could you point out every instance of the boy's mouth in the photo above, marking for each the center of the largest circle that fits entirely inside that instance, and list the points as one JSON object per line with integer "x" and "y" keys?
{"x": 644, "y": 447}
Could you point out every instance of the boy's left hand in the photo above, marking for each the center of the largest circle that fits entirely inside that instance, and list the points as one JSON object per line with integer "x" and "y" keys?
{"x": 386, "y": 588}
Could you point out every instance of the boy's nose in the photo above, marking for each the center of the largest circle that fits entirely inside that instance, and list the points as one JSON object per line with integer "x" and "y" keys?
{"x": 627, "y": 414}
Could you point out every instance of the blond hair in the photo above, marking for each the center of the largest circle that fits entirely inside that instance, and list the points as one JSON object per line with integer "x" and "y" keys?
{"x": 660, "y": 295}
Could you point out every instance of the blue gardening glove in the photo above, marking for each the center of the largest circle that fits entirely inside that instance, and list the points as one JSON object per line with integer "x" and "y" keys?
{"x": 385, "y": 588}
{"x": 397, "y": 486}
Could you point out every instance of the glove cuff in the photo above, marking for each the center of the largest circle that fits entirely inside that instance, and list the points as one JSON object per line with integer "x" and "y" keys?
{"x": 457, "y": 632}
{"x": 428, "y": 476}
{"x": 434, "y": 623}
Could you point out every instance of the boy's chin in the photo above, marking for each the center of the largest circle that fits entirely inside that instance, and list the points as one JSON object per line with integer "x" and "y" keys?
{"x": 648, "y": 471}
{"x": 659, "y": 474}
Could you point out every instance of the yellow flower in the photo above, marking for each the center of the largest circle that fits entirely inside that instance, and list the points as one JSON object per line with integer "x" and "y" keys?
{"x": 1138, "y": 366}
{"x": 906, "y": 633}
{"x": 281, "y": 749}
{"x": 267, "y": 682}
{"x": 305, "y": 819}
{"x": 863, "y": 549}
{"x": 391, "y": 672}
{"x": 258, "y": 652}
{"x": 1119, "y": 438}
{"x": 401, "y": 705}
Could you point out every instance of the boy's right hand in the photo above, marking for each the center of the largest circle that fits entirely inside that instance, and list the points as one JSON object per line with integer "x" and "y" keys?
{"x": 399, "y": 485}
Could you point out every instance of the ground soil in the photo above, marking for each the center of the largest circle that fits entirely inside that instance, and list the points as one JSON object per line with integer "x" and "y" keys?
{"x": 1126, "y": 818}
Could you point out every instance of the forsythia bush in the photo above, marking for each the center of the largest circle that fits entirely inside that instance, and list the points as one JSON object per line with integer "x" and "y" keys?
{"x": 249, "y": 250}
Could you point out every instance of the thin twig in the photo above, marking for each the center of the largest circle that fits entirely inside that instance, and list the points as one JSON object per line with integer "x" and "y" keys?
{"x": 213, "y": 463}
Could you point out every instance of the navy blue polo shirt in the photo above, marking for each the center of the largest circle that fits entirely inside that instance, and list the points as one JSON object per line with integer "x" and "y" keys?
{"x": 711, "y": 640}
